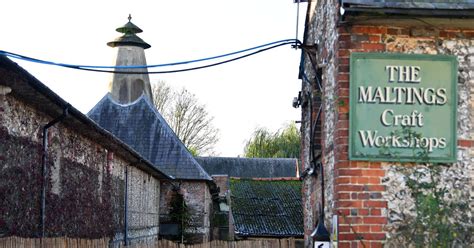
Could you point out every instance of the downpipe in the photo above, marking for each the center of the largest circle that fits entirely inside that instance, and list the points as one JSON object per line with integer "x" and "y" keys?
{"x": 44, "y": 168}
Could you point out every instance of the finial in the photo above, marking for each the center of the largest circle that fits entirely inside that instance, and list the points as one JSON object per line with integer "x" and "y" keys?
{"x": 129, "y": 17}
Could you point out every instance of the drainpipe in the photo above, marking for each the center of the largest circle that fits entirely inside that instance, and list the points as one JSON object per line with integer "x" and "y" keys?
{"x": 44, "y": 168}
{"x": 125, "y": 231}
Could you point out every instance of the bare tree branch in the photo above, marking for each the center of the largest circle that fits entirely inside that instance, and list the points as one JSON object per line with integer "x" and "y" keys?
{"x": 188, "y": 119}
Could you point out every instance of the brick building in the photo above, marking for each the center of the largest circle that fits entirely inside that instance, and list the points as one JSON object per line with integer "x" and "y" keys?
{"x": 89, "y": 175}
{"x": 385, "y": 198}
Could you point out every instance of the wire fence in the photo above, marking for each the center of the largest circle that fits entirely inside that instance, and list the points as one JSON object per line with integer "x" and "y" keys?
{"x": 14, "y": 242}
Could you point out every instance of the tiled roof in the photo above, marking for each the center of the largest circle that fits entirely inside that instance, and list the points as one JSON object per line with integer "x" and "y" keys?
{"x": 267, "y": 208}
{"x": 250, "y": 167}
{"x": 143, "y": 128}
{"x": 420, "y": 4}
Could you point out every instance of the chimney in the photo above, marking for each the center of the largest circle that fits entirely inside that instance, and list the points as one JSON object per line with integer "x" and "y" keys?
{"x": 124, "y": 87}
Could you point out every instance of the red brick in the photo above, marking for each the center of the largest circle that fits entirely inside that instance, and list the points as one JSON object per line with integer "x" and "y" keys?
{"x": 360, "y": 180}
{"x": 342, "y": 244}
{"x": 375, "y": 195}
{"x": 362, "y": 196}
{"x": 375, "y": 38}
{"x": 345, "y": 44}
{"x": 343, "y": 117}
{"x": 373, "y": 46}
{"x": 374, "y": 220}
{"x": 362, "y": 228}
{"x": 375, "y": 165}
{"x": 343, "y": 68}
{"x": 374, "y": 188}
{"x": 352, "y": 220}
{"x": 343, "y": 180}
{"x": 342, "y": 133}
{"x": 343, "y": 229}
{"x": 369, "y": 30}
{"x": 343, "y": 30}
{"x": 343, "y": 212}
{"x": 363, "y": 212}
{"x": 342, "y": 156}
{"x": 374, "y": 172}
{"x": 349, "y": 204}
{"x": 342, "y": 85}
{"x": 347, "y": 236}
{"x": 375, "y": 212}
{"x": 375, "y": 204}
{"x": 358, "y": 38}
{"x": 343, "y": 77}
{"x": 449, "y": 34}
{"x": 373, "y": 236}
{"x": 376, "y": 228}
{"x": 343, "y": 196}
{"x": 374, "y": 180}
{"x": 466, "y": 143}
{"x": 468, "y": 34}
{"x": 376, "y": 244}
{"x": 393, "y": 31}
{"x": 404, "y": 31}
{"x": 343, "y": 94}
{"x": 344, "y": 37}
{"x": 343, "y": 53}
{"x": 342, "y": 124}
{"x": 344, "y": 61}
{"x": 349, "y": 172}
{"x": 343, "y": 164}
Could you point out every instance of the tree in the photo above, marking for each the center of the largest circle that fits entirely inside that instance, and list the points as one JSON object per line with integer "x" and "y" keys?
{"x": 187, "y": 117}
{"x": 284, "y": 143}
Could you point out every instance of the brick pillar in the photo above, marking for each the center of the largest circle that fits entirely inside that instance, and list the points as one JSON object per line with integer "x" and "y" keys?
{"x": 358, "y": 187}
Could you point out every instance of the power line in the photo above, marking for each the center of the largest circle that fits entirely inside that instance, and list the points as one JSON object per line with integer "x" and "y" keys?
{"x": 262, "y": 48}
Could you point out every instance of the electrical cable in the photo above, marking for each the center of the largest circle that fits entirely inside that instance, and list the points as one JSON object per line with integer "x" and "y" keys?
{"x": 99, "y": 68}
{"x": 188, "y": 69}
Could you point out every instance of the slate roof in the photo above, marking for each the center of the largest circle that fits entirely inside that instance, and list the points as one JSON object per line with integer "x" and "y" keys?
{"x": 143, "y": 128}
{"x": 250, "y": 167}
{"x": 267, "y": 208}
{"x": 30, "y": 90}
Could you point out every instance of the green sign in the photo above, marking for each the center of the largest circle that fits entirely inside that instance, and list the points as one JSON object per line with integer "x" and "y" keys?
{"x": 403, "y": 107}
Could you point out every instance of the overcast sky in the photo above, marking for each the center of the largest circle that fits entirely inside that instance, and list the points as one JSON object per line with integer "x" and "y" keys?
{"x": 243, "y": 95}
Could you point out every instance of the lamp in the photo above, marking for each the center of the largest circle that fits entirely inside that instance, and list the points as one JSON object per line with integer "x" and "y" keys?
{"x": 320, "y": 234}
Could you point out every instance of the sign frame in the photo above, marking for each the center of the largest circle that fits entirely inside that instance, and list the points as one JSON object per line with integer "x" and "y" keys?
{"x": 451, "y": 148}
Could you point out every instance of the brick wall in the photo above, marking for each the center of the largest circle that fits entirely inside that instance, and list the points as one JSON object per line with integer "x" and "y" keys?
{"x": 372, "y": 199}
{"x": 198, "y": 200}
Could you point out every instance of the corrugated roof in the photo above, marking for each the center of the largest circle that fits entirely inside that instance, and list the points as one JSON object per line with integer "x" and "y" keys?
{"x": 142, "y": 127}
{"x": 250, "y": 167}
{"x": 267, "y": 208}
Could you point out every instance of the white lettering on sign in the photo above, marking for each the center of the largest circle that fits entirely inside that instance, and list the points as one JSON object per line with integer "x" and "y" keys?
{"x": 398, "y": 95}
{"x": 406, "y": 74}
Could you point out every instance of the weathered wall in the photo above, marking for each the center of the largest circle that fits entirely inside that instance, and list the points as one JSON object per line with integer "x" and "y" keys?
{"x": 143, "y": 204}
{"x": 319, "y": 84}
{"x": 198, "y": 201}
{"x": 387, "y": 204}
{"x": 85, "y": 181}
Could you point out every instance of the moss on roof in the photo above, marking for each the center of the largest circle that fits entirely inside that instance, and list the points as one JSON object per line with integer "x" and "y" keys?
{"x": 267, "y": 208}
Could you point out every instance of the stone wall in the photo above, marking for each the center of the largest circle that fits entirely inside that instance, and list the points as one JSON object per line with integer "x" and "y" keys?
{"x": 387, "y": 204}
{"x": 85, "y": 181}
{"x": 321, "y": 91}
{"x": 198, "y": 201}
